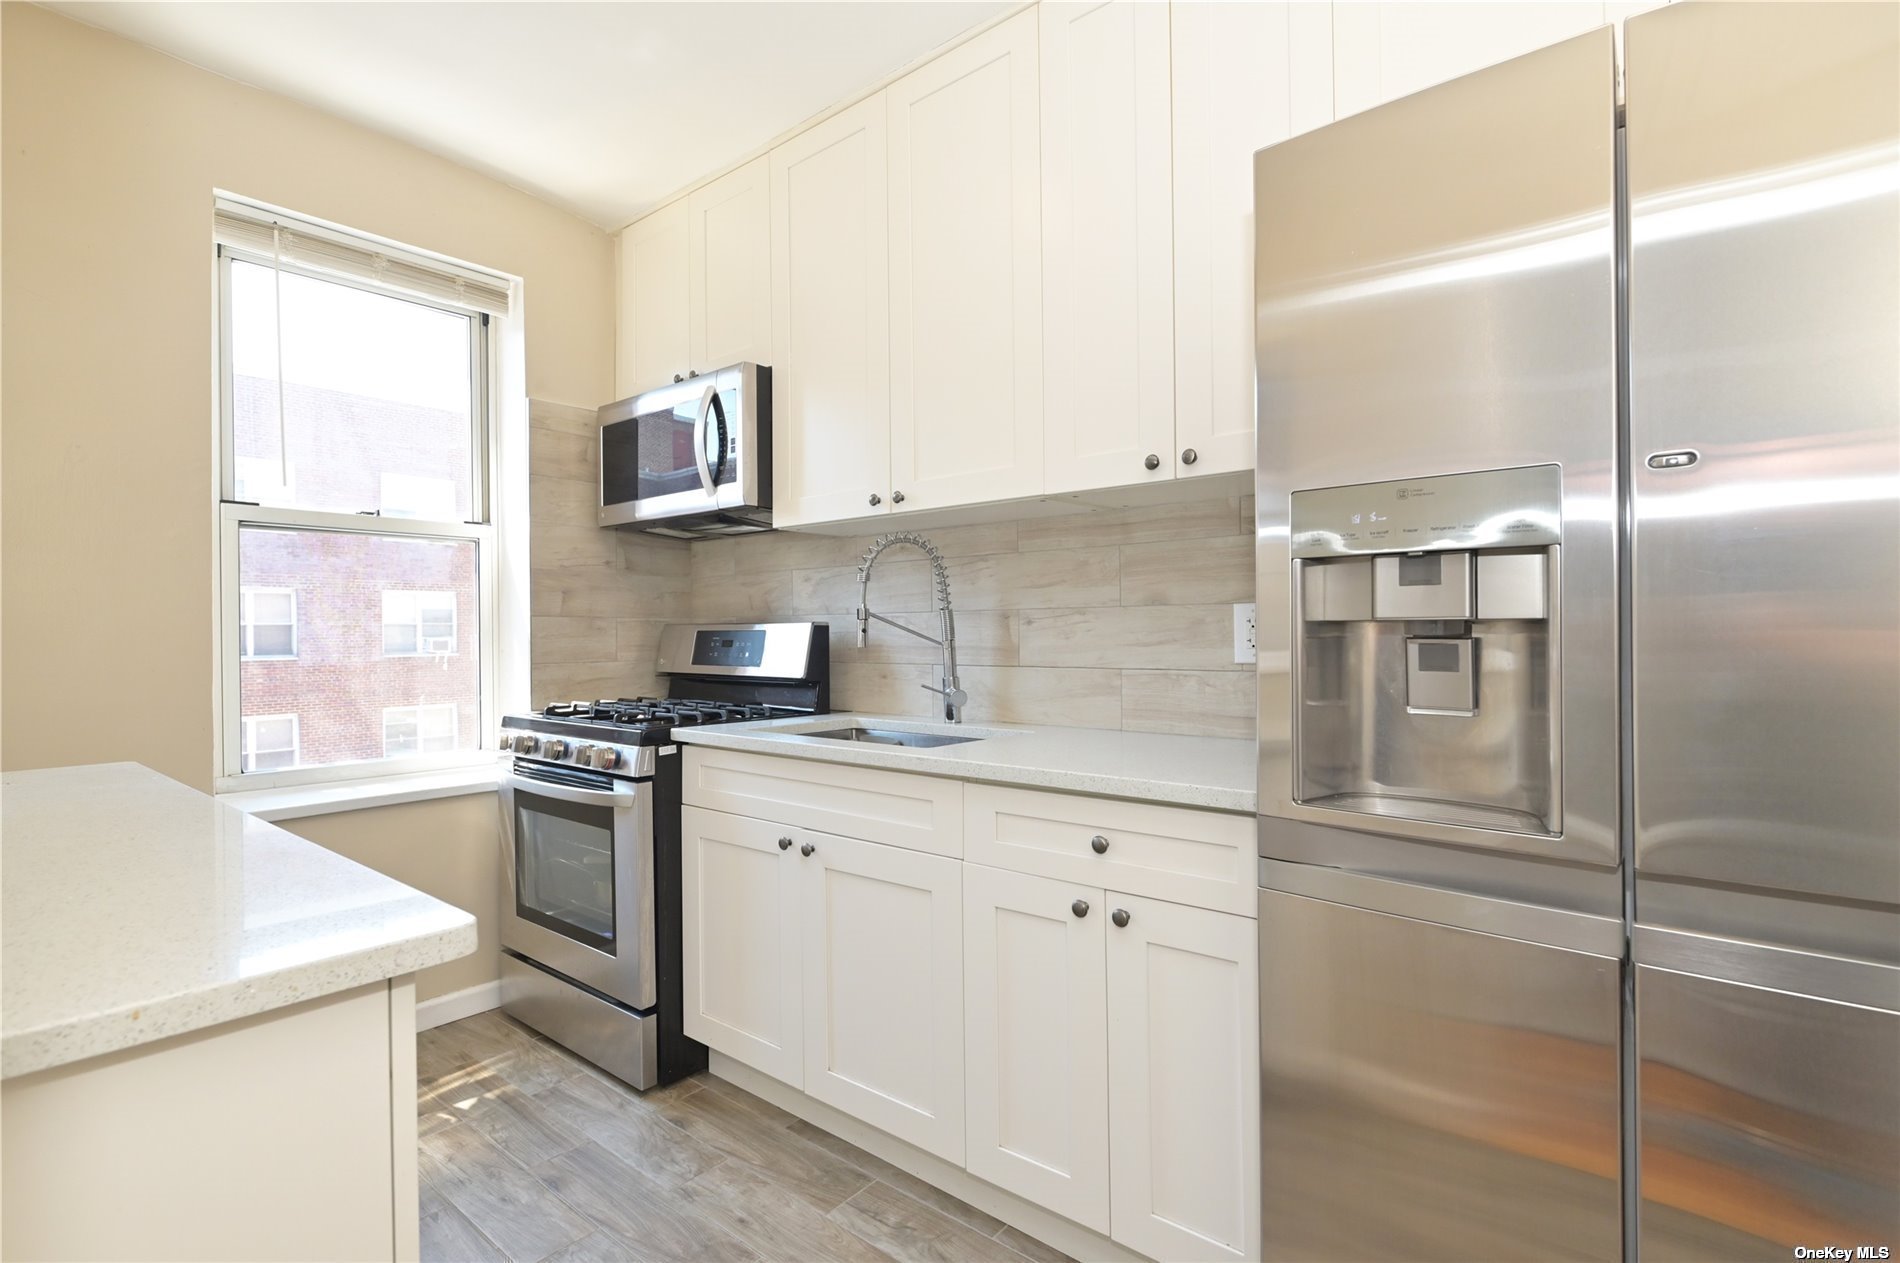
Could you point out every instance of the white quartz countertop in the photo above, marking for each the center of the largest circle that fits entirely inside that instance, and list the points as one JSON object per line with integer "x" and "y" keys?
{"x": 1212, "y": 772}
{"x": 135, "y": 908}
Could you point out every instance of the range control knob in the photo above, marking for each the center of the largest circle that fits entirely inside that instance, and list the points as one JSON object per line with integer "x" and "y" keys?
{"x": 507, "y": 742}
{"x": 524, "y": 744}
{"x": 582, "y": 753}
{"x": 604, "y": 757}
{"x": 553, "y": 748}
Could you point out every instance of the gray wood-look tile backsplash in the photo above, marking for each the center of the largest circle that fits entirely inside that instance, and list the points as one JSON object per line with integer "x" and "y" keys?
{"x": 1119, "y": 618}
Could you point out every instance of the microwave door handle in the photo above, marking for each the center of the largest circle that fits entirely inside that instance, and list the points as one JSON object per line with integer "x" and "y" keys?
{"x": 707, "y": 402}
{"x": 573, "y": 793}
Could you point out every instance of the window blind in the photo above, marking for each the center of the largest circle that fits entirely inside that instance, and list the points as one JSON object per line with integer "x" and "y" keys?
{"x": 260, "y": 231}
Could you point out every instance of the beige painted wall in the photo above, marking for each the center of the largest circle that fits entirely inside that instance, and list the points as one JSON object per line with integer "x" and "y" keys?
{"x": 111, "y": 153}
{"x": 1116, "y": 619}
{"x": 449, "y": 847}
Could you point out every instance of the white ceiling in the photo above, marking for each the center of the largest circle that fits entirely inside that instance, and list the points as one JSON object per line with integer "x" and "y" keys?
{"x": 604, "y": 108}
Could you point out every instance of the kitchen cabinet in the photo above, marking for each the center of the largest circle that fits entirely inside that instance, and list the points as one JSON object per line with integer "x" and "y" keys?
{"x": 1183, "y": 1080}
{"x": 831, "y": 352}
{"x": 1245, "y": 76}
{"x": 1035, "y": 985}
{"x": 1386, "y": 51}
{"x": 696, "y": 283}
{"x": 651, "y": 340}
{"x": 729, "y": 270}
{"x": 1107, "y": 245}
{"x": 832, "y": 964}
{"x": 742, "y": 934}
{"x": 966, "y": 274}
{"x": 883, "y": 987}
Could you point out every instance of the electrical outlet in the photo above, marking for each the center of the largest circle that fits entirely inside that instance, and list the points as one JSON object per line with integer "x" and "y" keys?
{"x": 1243, "y": 633}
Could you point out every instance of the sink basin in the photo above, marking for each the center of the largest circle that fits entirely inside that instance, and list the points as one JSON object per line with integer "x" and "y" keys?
{"x": 891, "y": 737}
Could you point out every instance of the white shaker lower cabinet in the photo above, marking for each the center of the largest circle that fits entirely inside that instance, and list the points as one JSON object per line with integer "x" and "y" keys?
{"x": 883, "y": 988}
{"x": 742, "y": 937}
{"x": 1183, "y": 1080}
{"x": 1035, "y": 990}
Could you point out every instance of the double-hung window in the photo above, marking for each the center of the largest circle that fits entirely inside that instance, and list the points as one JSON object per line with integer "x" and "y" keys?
{"x": 357, "y": 555}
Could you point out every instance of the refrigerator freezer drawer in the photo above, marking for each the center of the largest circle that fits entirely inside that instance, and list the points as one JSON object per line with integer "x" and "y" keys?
{"x": 1429, "y": 1092}
{"x": 1768, "y": 1119}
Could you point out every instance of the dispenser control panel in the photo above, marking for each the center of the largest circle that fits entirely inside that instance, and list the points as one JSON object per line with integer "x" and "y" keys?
{"x": 1492, "y": 508}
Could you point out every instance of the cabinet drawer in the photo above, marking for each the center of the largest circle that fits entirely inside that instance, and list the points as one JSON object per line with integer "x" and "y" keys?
{"x": 922, "y": 813}
{"x": 1174, "y": 853}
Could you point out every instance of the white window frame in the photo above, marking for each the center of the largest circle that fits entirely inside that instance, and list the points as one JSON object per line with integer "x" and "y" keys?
{"x": 425, "y": 645}
{"x": 486, "y": 335}
{"x": 247, "y": 626}
{"x": 247, "y": 737}
{"x": 415, "y": 716}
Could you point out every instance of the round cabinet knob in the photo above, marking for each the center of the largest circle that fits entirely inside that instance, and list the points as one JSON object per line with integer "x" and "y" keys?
{"x": 784, "y": 844}
{"x": 692, "y": 372}
{"x": 553, "y": 748}
{"x": 1189, "y": 456}
{"x": 678, "y": 378}
{"x": 1080, "y": 907}
{"x": 1119, "y": 916}
{"x": 806, "y": 849}
{"x": 876, "y": 499}
{"x": 606, "y": 757}
{"x": 897, "y": 497}
{"x": 1098, "y": 844}
{"x": 1153, "y": 461}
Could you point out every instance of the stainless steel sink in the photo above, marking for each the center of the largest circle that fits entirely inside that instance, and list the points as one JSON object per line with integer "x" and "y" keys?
{"x": 891, "y": 737}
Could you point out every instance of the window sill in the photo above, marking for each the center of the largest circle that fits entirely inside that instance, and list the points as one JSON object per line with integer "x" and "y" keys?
{"x": 292, "y": 802}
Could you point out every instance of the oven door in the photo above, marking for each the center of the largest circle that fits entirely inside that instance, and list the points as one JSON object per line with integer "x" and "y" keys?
{"x": 670, "y": 452}
{"x": 578, "y": 853}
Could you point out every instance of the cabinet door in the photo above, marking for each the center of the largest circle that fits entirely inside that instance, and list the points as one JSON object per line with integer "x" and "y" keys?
{"x": 1184, "y": 1081}
{"x": 1035, "y": 1005}
{"x": 742, "y": 941}
{"x": 883, "y": 962}
{"x": 1245, "y": 76}
{"x": 966, "y": 274}
{"x": 1108, "y": 245}
{"x": 729, "y": 283}
{"x": 831, "y": 352}
{"x": 650, "y": 341}
{"x": 1386, "y": 51}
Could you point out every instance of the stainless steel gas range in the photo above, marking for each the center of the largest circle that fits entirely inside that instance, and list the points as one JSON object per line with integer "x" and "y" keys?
{"x": 590, "y": 929}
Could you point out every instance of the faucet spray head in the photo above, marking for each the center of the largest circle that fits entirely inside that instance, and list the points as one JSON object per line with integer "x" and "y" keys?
{"x": 864, "y": 626}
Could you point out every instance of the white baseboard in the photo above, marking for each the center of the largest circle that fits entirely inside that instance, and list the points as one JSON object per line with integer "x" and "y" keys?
{"x": 456, "y": 1005}
{"x": 1064, "y": 1234}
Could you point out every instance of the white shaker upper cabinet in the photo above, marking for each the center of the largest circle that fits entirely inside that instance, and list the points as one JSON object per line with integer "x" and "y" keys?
{"x": 1108, "y": 245}
{"x": 831, "y": 350}
{"x": 729, "y": 243}
{"x": 1386, "y": 51}
{"x": 1245, "y": 76}
{"x": 966, "y": 274}
{"x": 650, "y": 344}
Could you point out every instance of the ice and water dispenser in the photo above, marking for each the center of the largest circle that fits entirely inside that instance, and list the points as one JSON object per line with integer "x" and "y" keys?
{"x": 1426, "y": 648}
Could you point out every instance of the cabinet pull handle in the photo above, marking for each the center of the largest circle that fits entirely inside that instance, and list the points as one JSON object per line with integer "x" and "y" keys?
{"x": 784, "y": 844}
{"x": 1189, "y": 456}
{"x": 876, "y": 499}
{"x": 806, "y": 849}
{"x": 1119, "y": 916}
{"x": 1153, "y": 461}
{"x": 1098, "y": 844}
{"x": 1080, "y": 907}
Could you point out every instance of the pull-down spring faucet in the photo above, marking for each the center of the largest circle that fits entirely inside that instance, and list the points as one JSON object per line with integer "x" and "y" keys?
{"x": 954, "y": 698}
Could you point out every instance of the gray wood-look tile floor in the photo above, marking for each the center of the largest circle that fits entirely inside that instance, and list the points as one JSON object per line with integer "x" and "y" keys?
{"x": 530, "y": 1153}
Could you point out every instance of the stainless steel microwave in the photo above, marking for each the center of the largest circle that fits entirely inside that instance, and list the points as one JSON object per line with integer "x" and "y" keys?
{"x": 691, "y": 459}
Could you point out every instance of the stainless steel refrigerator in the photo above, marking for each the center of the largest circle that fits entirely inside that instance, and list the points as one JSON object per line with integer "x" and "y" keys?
{"x": 1579, "y": 616}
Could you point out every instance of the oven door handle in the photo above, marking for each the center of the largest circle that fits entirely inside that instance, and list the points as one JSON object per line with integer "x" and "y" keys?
{"x": 707, "y": 402}
{"x": 573, "y": 793}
